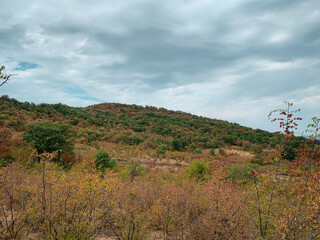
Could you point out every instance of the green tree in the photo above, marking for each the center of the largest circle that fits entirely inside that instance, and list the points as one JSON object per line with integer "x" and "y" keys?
{"x": 49, "y": 136}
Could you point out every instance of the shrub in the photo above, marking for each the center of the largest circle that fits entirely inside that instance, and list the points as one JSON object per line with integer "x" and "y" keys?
{"x": 212, "y": 152}
{"x": 130, "y": 139}
{"x": 246, "y": 145}
{"x": 258, "y": 159}
{"x": 214, "y": 144}
{"x": 222, "y": 152}
{"x": 176, "y": 144}
{"x": 198, "y": 170}
{"x": 197, "y": 151}
{"x": 103, "y": 161}
{"x": 91, "y": 137}
{"x": 243, "y": 174}
{"x": 162, "y": 149}
{"x": 289, "y": 152}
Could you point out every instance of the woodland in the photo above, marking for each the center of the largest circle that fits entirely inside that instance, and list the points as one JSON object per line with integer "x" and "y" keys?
{"x": 117, "y": 171}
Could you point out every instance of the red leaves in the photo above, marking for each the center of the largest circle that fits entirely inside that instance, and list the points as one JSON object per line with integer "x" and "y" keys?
{"x": 288, "y": 122}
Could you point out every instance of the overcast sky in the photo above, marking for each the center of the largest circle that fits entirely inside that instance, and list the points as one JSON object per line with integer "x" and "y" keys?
{"x": 234, "y": 60}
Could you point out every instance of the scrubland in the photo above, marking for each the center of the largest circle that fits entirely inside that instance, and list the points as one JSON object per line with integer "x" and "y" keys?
{"x": 115, "y": 171}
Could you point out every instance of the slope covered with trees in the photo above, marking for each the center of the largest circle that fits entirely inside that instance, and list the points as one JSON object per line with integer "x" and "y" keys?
{"x": 136, "y": 125}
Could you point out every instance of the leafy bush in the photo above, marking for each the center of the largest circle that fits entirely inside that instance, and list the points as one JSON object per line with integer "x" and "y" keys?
{"x": 130, "y": 139}
{"x": 103, "y": 161}
{"x": 212, "y": 152}
{"x": 243, "y": 174}
{"x": 176, "y": 144}
{"x": 197, "y": 151}
{"x": 289, "y": 152}
{"x": 91, "y": 137}
{"x": 198, "y": 170}
{"x": 162, "y": 149}
{"x": 222, "y": 152}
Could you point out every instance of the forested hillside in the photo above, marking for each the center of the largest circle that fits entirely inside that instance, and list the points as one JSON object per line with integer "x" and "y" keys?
{"x": 134, "y": 125}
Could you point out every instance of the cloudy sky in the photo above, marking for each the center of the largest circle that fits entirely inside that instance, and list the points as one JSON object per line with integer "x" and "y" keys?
{"x": 234, "y": 60}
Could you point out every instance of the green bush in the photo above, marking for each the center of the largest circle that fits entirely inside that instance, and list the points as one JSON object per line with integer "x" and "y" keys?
{"x": 176, "y": 144}
{"x": 162, "y": 149}
{"x": 197, "y": 151}
{"x": 103, "y": 161}
{"x": 191, "y": 147}
{"x": 243, "y": 174}
{"x": 198, "y": 170}
{"x": 212, "y": 152}
{"x": 130, "y": 139}
{"x": 222, "y": 152}
{"x": 214, "y": 144}
{"x": 91, "y": 137}
{"x": 289, "y": 152}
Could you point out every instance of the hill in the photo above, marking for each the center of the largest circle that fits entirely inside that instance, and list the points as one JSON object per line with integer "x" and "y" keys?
{"x": 138, "y": 125}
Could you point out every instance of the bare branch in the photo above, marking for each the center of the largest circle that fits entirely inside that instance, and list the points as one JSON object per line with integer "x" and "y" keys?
{"x": 3, "y": 77}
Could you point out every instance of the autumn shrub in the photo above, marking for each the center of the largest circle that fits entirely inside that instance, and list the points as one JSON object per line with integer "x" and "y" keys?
{"x": 67, "y": 159}
{"x": 214, "y": 210}
{"x": 299, "y": 218}
{"x": 170, "y": 211}
{"x": 55, "y": 205}
{"x": 245, "y": 145}
{"x": 5, "y": 142}
{"x": 74, "y": 206}
{"x": 132, "y": 211}
{"x": 17, "y": 195}
{"x": 221, "y": 213}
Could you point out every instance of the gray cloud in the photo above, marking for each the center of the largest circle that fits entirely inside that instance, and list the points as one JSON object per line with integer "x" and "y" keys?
{"x": 233, "y": 60}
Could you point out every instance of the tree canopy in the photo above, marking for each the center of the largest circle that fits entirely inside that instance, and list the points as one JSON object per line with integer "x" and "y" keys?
{"x": 49, "y": 136}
